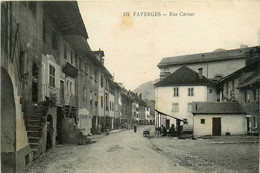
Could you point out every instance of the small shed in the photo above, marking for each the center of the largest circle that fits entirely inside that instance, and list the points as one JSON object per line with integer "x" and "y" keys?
{"x": 215, "y": 118}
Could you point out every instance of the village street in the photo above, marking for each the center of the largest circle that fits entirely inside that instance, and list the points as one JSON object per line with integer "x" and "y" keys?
{"x": 125, "y": 151}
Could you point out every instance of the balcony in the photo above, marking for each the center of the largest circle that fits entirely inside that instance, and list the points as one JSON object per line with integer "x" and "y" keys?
{"x": 62, "y": 99}
{"x": 47, "y": 90}
{"x": 70, "y": 70}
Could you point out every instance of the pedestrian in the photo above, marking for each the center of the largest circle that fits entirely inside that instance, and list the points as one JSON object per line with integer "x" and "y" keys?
{"x": 99, "y": 129}
{"x": 172, "y": 130}
{"x": 164, "y": 131}
{"x": 135, "y": 127}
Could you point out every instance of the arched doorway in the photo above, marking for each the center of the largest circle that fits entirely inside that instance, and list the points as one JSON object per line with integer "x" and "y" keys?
{"x": 8, "y": 124}
{"x": 49, "y": 140}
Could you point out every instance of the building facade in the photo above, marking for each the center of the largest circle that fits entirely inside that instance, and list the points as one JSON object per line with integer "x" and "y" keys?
{"x": 218, "y": 119}
{"x": 174, "y": 96}
{"x": 242, "y": 86}
{"x": 216, "y": 64}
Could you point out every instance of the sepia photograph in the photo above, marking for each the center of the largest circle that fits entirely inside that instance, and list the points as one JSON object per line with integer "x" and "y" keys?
{"x": 109, "y": 86}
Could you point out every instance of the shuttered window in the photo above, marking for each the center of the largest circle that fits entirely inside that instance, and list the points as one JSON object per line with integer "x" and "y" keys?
{"x": 52, "y": 76}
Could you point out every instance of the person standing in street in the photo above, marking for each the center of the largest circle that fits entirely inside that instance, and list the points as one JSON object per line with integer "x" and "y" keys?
{"x": 135, "y": 127}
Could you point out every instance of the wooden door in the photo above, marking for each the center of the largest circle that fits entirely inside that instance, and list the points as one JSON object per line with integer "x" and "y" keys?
{"x": 216, "y": 126}
{"x": 62, "y": 100}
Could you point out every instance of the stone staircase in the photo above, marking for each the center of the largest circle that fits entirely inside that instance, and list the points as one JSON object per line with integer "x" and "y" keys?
{"x": 34, "y": 127}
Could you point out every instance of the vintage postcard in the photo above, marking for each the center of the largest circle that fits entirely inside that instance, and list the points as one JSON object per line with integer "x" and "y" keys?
{"x": 130, "y": 86}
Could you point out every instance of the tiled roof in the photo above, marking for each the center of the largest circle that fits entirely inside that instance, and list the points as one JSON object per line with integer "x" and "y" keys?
{"x": 217, "y": 108}
{"x": 253, "y": 79}
{"x": 205, "y": 57}
{"x": 184, "y": 76}
{"x": 251, "y": 67}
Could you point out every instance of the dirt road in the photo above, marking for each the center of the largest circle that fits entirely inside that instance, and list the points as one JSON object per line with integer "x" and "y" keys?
{"x": 120, "y": 152}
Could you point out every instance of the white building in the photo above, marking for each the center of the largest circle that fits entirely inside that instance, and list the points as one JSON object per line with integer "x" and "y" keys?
{"x": 219, "y": 119}
{"x": 174, "y": 96}
{"x": 216, "y": 64}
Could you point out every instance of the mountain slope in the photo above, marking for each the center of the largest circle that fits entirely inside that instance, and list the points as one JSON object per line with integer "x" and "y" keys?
{"x": 146, "y": 89}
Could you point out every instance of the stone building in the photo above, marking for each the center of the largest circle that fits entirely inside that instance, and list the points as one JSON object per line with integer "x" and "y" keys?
{"x": 58, "y": 90}
{"x": 41, "y": 54}
{"x": 150, "y": 112}
{"x": 142, "y": 110}
{"x": 103, "y": 94}
{"x": 242, "y": 86}
{"x": 117, "y": 105}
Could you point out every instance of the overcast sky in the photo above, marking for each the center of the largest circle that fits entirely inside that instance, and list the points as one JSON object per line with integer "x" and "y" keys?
{"x": 134, "y": 45}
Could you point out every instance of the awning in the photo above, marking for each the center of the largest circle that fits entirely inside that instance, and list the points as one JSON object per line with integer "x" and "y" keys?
{"x": 169, "y": 115}
{"x": 70, "y": 70}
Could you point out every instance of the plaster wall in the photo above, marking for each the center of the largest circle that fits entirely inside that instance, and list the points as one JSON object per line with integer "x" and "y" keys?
{"x": 234, "y": 124}
{"x": 164, "y": 100}
{"x": 211, "y": 69}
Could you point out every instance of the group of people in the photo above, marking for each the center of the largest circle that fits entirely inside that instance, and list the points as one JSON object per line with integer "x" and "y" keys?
{"x": 162, "y": 130}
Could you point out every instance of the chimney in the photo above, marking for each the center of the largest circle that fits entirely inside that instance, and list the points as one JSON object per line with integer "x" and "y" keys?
{"x": 200, "y": 73}
{"x": 140, "y": 96}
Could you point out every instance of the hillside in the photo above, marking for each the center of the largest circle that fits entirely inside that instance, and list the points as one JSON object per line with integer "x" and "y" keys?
{"x": 146, "y": 89}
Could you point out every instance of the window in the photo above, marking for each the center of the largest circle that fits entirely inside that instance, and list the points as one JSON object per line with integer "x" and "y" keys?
{"x": 189, "y": 107}
{"x": 44, "y": 30}
{"x": 106, "y": 102}
{"x": 254, "y": 121}
{"x": 65, "y": 51}
{"x": 190, "y": 92}
{"x": 210, "y": 90}
{"x": 254, "y": 93}
{"x": 52, "y": 76}
{"x": 202, "y": 121}
{"x": 176, "y": 92}
{"x": 86, "y": 67}
{"x": 72, "y": 55}
{"x": 101, "y": 81}
{"x": 54, "y": 40}
{"x": 90, "y": 71}
{"x": 101, "y": 102}
{"x": 91, "y": 96}
{"x": 70, "y": 87}
{"x": 95, "y": 76}
{"x": 80, "y": 63}
{"x": 110, "y": 105}
{"x": 106, "y": 84}
{"x": 84, "y": 94}
{"x": 175, "y": 107}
